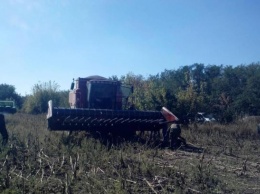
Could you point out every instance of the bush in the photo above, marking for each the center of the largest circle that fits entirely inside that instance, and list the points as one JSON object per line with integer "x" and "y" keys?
{"x": 41, "y": 93}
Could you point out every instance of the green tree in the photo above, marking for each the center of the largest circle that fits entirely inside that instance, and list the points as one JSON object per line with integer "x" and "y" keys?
{"x": 41, "y": 94}
{"x": 160, "y": 92}
{"x": 140, "y": 87}
{"x": 190, "y": 101}
{"x": 248, "y": 101}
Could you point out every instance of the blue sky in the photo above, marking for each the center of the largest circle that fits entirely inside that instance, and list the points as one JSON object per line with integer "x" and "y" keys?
{"x": 58, "y": 40}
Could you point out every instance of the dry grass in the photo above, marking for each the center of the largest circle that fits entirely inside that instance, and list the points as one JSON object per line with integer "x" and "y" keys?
{"x": 38, "y": 161}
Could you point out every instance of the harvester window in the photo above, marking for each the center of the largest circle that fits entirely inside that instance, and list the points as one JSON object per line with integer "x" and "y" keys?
{"x": 102, "y": 95}
{"x": 127, "y": 90}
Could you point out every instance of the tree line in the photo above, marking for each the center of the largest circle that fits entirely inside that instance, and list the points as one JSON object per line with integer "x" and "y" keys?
{"x": 227, "y": 91}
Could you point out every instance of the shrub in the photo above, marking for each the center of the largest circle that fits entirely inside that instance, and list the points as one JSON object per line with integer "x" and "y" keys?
{"x": 41, "y": 94}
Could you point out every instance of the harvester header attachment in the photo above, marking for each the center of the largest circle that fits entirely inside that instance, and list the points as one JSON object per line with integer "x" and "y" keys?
{"x": 104, "y": 119}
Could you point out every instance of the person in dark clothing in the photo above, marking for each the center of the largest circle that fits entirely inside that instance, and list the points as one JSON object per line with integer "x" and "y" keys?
{"x": 3, "y": 130}
{"x": 175, "y": 136}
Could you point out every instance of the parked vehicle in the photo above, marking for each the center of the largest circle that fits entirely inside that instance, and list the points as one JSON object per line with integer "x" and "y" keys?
{"x": 7, "y": 106}
{"x": 201, "y": 117}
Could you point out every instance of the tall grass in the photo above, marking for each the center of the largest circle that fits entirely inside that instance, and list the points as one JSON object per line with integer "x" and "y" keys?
{"x": 39, "y": 161}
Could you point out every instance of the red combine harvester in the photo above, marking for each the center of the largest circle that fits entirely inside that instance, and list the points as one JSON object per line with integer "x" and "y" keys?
{"x": 99, "y": 104}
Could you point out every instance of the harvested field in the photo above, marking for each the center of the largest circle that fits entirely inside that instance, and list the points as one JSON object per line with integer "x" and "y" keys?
{"x": 220, "y": 159}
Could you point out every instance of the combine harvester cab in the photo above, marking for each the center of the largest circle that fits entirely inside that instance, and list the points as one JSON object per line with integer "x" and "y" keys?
{"x": 99, "y": 104}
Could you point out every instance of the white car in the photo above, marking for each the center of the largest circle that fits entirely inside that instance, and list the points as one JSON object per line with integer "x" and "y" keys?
{"x": 204, "y": 118}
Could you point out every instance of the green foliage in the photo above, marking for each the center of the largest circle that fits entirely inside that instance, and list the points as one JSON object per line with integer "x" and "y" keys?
{"x": 226, "y": 91}
{"x": 138, "y": 97}
{"x": 41, "y": 94}
{"x": 63, "y": 98}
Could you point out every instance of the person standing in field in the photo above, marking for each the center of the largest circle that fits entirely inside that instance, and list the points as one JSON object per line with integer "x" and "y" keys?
{"x": 3, "y": 130}
{"x": 175, "y": 136}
